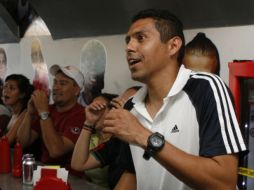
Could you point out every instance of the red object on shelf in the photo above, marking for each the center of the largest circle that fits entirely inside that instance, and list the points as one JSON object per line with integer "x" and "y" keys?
{"x": 5, "y": 155}
{"x": 49, "y": 180}
{"x": 17, "y": 160}
{"x": 238, "y": 70}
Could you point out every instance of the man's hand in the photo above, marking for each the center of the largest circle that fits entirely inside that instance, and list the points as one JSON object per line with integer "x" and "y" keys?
{"x": 117, "y": 102}
{"x": 124, "y": 125}
{"x": 40, "y": 101}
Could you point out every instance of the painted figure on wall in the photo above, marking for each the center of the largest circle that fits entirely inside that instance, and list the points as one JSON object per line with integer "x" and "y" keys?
{"x": 3, "y": 63}
{"x": 41, "y": 80}
{"x": 92, "y": 65}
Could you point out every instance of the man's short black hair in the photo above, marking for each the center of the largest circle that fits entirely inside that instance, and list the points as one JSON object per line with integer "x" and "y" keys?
{"x": 167, "y": 24}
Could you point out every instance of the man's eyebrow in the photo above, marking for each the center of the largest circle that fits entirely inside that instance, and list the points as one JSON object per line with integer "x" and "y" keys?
{"x": 127, "y": 39}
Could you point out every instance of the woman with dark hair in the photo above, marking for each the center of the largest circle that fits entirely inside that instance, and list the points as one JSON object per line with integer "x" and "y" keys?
{"x": 17, "y": 91}
{"x": 4, "y": 112}
{"x": 107, "y": 152}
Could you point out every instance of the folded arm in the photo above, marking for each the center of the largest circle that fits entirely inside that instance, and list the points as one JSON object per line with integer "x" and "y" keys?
{"x": 25, "y": 135}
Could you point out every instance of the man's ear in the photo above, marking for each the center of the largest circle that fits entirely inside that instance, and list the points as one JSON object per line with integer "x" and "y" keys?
{"x": 174, "y": 45}
{"x": 78, "y": 91}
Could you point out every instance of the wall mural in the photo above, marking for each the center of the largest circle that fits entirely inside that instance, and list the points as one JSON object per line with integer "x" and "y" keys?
{"x": 92, "y": 65}
{"x": 3, "y": 63}
{"x": 33, "y": 56}
{"x": 41, "y": 79}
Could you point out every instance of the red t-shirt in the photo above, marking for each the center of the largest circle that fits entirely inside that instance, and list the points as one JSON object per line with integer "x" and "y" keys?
{"x": 68, "y": 124}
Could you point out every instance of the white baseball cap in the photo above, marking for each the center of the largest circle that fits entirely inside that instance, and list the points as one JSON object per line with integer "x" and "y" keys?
{"x": 70, "y": 71}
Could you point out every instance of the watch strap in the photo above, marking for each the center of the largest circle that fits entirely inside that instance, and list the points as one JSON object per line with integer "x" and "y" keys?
{"x": 148, "y": 154}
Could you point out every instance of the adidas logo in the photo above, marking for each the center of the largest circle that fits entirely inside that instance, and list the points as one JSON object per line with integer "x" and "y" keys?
{"x": 175, "y": 129}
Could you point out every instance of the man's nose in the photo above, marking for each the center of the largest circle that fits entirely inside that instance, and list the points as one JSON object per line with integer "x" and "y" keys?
{"x": 130, "y": 47}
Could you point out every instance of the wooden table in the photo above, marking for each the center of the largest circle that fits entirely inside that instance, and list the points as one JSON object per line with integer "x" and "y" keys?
{"x": 8, "y": 182}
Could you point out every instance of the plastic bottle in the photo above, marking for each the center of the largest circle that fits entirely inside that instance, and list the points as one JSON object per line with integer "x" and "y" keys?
{"x": 17, "y": 160}
{"x": 5, "y": 156}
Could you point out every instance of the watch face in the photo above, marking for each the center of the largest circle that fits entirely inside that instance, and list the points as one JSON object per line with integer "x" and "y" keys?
{"x": 44, "y": 115}
{"x": 156, "y": 141}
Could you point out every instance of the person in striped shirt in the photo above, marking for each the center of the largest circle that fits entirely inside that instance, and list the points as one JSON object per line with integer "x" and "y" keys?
{"x": 181, "y": 128}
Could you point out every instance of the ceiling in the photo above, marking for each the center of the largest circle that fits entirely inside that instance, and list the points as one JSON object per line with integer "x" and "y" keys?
{"x": 83, "y": 18}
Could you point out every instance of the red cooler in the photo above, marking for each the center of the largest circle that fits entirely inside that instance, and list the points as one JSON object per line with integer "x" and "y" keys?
{"x": 241, "y": 84}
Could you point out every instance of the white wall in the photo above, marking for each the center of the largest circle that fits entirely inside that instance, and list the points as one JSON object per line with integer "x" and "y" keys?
{"x": 67, "y": 52}
{"x": 232, "y": 43}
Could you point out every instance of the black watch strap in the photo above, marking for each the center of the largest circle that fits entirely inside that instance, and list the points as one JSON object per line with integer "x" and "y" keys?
{"x": 148, "y": 154}
{"x": 155, "y": 143}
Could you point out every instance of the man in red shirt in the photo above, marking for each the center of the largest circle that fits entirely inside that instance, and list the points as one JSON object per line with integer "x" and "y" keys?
{"x": 59, "y": 124}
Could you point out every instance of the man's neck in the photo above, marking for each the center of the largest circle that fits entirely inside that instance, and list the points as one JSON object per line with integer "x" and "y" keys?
{"x": 160, "y": 85}
{"x": 65, "y": 107}
{"x": 158, "y": 89}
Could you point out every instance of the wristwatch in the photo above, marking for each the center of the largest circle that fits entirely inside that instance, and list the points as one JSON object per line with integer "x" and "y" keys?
{"x": 155, "y": 143}
{"x": 44, "y": 115}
